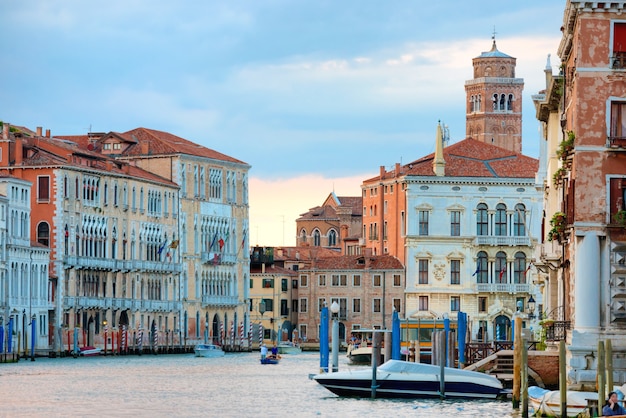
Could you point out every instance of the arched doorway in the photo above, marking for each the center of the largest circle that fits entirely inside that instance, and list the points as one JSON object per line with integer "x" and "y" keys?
{"x": 215, "y": 330}
{"x": 502, "y": 328}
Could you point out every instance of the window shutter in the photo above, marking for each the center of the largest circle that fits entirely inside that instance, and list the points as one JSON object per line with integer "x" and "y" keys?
{"x": 619, "y": 37}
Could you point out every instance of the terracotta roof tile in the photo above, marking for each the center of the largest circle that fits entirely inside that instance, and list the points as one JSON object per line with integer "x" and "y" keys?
{"x": 359, "y": 262}
{"x": 159, "y": 142}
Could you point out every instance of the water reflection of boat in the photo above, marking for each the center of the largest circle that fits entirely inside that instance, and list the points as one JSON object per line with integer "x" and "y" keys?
{"x": 208, "y": 350}
{"x": 287, "y": 347}
{"x": 402, "y": 379}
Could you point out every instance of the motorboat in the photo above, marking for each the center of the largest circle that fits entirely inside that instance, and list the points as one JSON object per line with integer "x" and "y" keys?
{"x": 360, "y": 355}
{"x": 403, "y": 379}
{"x": 270, "y": 360}
{"x": 287, "y": 347}
{"x": 89, "y": 351}
{"x": 208, "y": 350}
{"x": 548, "y": 402}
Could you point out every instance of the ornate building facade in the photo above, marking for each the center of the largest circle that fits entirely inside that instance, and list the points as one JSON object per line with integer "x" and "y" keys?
{"x": 584, "y": 149}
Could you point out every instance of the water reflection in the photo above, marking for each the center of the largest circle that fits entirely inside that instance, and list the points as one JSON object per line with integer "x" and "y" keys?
{"x": 184, "y": 385}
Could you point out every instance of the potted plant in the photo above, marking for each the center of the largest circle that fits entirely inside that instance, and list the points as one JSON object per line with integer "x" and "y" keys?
{"x": 620, "y": 217}
{"x": 566, "y": 146}
{"x": 558, "y": 175}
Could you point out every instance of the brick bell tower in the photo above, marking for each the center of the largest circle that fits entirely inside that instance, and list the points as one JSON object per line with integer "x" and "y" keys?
{"x": 494, "y": 101}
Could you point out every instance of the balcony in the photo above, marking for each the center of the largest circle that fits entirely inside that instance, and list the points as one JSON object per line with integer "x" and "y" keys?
{"x": 91, "y": 302}
{"x": 503, "y": 287}
{"x": 217, "y": 258}
{"x": 219, "y": 301}
{"x": 94, "y": 263}
{"x": 497, "y": 241}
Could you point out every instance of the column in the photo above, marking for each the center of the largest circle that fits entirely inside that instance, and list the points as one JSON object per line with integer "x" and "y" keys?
{"x": 587, "y": 283}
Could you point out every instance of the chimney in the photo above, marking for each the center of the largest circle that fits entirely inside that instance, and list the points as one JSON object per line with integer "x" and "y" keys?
{"x": 5, "y": 131}
{"x": 47, "y": 133}
{"x": 39, "y": 130}
{"x": 18, "y": 150}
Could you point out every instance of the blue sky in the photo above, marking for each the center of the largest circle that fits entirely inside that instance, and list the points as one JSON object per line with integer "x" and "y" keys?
{"x": 304, "y": 91}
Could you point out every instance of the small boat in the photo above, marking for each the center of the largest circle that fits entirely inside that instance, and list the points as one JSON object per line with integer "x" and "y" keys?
{"x": 360, "y": 355}
{"x": 548, "y": 402}
{"x": 208, "y": 350}
{"x": 270, "y": 360}
{"x": 408, "y": 380}
{"x": 287, "y": 347}
{"x": 89, "y": 351}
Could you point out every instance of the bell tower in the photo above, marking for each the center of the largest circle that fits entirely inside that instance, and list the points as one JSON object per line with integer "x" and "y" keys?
{"x": 494, "y": 101}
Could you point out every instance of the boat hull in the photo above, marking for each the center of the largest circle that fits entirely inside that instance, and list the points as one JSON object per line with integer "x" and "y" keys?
{"x": 289, "y": 349}
{"x": 269, "y": 360}
{"x": 408, "y": 381}
{"x": 209, "y": 351}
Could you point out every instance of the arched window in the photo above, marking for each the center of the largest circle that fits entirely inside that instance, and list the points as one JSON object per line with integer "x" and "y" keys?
{"x": 482, "y": 219}
{"x": 332, "y": 238}
{"x": 502, "y": 98}
{"x": 495, "y": 102}
{"x": 43, "y": 234}
{"x": 316, "y": 238}
{"x": 500, "y": 220}
{"x": 519, "y": 268}
{"x": 303, "y": 236}
{"x": 501, "y": 267}
{"x": 509, "y": 103}
{"x": 478, "y": 103}
{"x": 482, "y": 268}
{"x": 519, "y": 220}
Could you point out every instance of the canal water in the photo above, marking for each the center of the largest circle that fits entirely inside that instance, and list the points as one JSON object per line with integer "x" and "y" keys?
{"x": 182, "y": 385}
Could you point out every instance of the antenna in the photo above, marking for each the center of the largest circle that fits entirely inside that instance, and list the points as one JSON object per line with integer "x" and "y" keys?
{"x": 493, "y": 35}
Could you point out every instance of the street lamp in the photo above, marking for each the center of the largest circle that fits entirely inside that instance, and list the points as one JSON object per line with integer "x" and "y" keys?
{"x": 334, "y": 309}
{"x": 531, "y": 308}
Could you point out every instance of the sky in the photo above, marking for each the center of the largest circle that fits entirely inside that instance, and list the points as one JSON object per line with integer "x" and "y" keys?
{"x": 315, "y": 95}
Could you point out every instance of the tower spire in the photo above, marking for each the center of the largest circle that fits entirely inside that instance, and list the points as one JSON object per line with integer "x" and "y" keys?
{"x": 439, "y": 163}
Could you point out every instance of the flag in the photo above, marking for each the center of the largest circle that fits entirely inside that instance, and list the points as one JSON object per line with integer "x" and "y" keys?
{"x": 221, "y": 243}
{"x": 477, "y": 270}
{"x": 243, "y": 240}
{"x": 213, "y": 242}
{"x": 527, "y": 268}
{"x": 162, "y": 246}
{"x": 174, "y": 244}
{"x": 502, "y": 273}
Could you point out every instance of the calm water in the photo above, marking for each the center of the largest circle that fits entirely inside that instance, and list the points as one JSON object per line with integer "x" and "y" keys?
{"x": 187, "y": 386}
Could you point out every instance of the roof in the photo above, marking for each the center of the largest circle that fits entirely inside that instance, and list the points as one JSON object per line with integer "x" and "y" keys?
{"x": 151, "y": 142}
{"x": 494, "y": 53}
{"x": 55, "y": 151}
{"x": 328, "y": 210}
{"x": 473, "y": 158}
{"x": 304, "y": 253}
{"x": 359, "y": 262}
{"x": 272, "y": 269}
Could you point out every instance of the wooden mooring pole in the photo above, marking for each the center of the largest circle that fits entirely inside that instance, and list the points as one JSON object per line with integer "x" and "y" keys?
{"x": 562, "y": 379}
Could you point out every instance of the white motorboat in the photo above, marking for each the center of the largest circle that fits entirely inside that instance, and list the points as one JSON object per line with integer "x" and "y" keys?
{"x": 208, "y": 350}
{"x": 548, "y": 402}
{"x": 288, "y": 347}
{"x": 402, "y": 379}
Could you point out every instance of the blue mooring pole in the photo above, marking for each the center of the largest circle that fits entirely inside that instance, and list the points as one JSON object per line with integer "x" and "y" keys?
{"x": 32, "y": 338}
{"x": 324, "y": 341}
